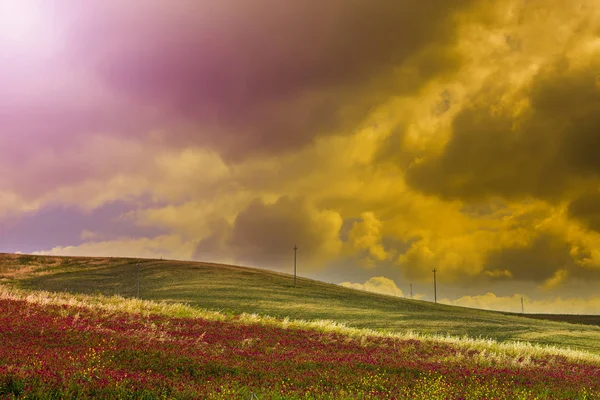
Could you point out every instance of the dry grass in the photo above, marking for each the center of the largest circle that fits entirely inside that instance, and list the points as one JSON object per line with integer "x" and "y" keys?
{"x": 231, "y": 290}
{"x": 489, "y": 352}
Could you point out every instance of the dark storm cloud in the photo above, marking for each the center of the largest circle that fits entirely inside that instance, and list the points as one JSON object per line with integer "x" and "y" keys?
{"x": 262, "y": 74}
{"x": 214, "y": 247}
{"x": 540, "y": 261}
{"x": 544, "y": 152}
{"x": 264, "y": 234}
{"x": 586, "y": 209}
{"x": 240, "y": 76}
{"x": 537, "y": 261}
{"x": 392, "y": 149}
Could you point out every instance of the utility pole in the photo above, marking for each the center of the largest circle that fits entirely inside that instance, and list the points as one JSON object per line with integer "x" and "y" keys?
{"x": 411, "y": 290}
{"x": 138, "y": 280}
{"x": 295, "y": 249}
{"x": 434, "y": 286}
{"x": 522, "y": 307}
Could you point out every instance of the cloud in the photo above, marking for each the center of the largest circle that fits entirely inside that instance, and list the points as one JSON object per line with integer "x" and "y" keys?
{"x": 231, "y": 79}
{"x": 256, "y": 76}
{"x": 553, "y": 305}
{"x": 263, "y": 234}
{"x": 489, "y": 301}
{"x": 69, "y": 226}
{"x": 511, "y": 141}
{"x": 83, "y": 174}
{"x": 365, "y": 237}
{"x": 377, "y": 284}
{"x": 89, "y": 235}
{"x": 165, "y": 246}
{"x": 586, "y": 209}
{"x": 556, "y": 279}
{"x": 539, "y": 260}
{"x": 529, "y": 241}
{"x": 529, "y": 139}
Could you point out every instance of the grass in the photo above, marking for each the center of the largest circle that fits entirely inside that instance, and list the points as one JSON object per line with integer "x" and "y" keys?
{"x": 248, "y": 331}
{"x": 59, "y": 345}
{"x": 570, "y": 318}
{"x": 235, "y": 290}
{"x": 492, "y": 351}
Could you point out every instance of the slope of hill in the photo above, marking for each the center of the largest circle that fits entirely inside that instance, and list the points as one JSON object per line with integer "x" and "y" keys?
{"x": 94, "y": 347}
{"x": 77, "y": 346}
{"x": 570, "y": 318}
{"x": 236, "y": 290}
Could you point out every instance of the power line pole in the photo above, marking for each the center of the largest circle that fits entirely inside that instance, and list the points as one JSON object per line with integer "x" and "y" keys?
{"x": 522, "y": 307}
{"x": 434, "y": 286}
{"x": 138, "y": 280}
{"x": 411, "y": 290}
{"x": 295, "y": 249}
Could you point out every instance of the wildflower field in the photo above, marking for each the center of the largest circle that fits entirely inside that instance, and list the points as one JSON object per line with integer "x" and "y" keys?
{"x": 238, "y": 290}
{"x": 63, "y": 346}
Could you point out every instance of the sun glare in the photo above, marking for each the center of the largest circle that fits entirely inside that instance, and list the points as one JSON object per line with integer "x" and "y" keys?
{"x": 22, "y": 24}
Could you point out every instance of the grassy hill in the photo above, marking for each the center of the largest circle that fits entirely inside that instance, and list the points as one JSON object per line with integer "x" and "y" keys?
{"x": 61, "y": 345}
{"x": 570, "y": 318}
{"x": 232, "y": 289}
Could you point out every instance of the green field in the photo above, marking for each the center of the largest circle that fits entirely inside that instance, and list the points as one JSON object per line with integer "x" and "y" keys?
{"x": 237, "y": 290}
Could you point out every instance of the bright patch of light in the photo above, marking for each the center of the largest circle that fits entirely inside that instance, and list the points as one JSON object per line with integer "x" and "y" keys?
{"x": 25, "y": 25}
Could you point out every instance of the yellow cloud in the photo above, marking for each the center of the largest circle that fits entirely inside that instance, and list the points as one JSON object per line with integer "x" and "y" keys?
{"x": 12, "y": 204}
{"x": 89, "y": 235}
{"x": 366, "y": 235}
{"x": 378, "y": 284}
{"x": 558, "y": 278}
{"x": 193, "y": 218}
{"x": 489, "y": 301}
{"x": 554, "y": 305}
{"x": 166, "y": 246}
{"x": 188, "y": 171}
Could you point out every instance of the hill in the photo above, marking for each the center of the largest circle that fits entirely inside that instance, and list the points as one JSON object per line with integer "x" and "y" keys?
{"x": 236, "y": 290}
{"x": 570, "y": 318}
{"x": 95, "y": 347}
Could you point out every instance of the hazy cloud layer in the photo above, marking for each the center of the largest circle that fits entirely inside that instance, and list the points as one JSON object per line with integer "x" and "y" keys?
{"x": 170, "y": 247}
{"x": 556, "y": 305}
{"x": 69, "y": 226}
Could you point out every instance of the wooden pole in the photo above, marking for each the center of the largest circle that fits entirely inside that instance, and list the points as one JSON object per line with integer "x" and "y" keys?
{"x": 522, "y": 307}
{"x": 434, "y": 286}
{"x": 295, "y": 249}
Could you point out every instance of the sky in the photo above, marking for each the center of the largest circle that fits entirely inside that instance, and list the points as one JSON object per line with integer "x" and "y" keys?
{"x": 383, "y": 138}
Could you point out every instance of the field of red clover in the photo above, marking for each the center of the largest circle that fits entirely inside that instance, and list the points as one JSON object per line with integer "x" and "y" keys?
{"x": 62, "y": 351}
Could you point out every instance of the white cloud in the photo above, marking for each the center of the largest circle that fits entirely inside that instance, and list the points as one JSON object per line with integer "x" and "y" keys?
{"x": 166, "y": 246}
{"x": 378, "y": 284}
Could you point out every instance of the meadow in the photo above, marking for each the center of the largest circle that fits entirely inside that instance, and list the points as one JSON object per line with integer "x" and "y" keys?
{"x": 236, "y": 290}
{"x": 55, "y": 346}
{"x": 72, "y": 328}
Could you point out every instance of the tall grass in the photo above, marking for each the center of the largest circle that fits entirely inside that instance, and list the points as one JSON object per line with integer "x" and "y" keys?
{"x": 241, "y": 291}
{"x": 489, "y": 352}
